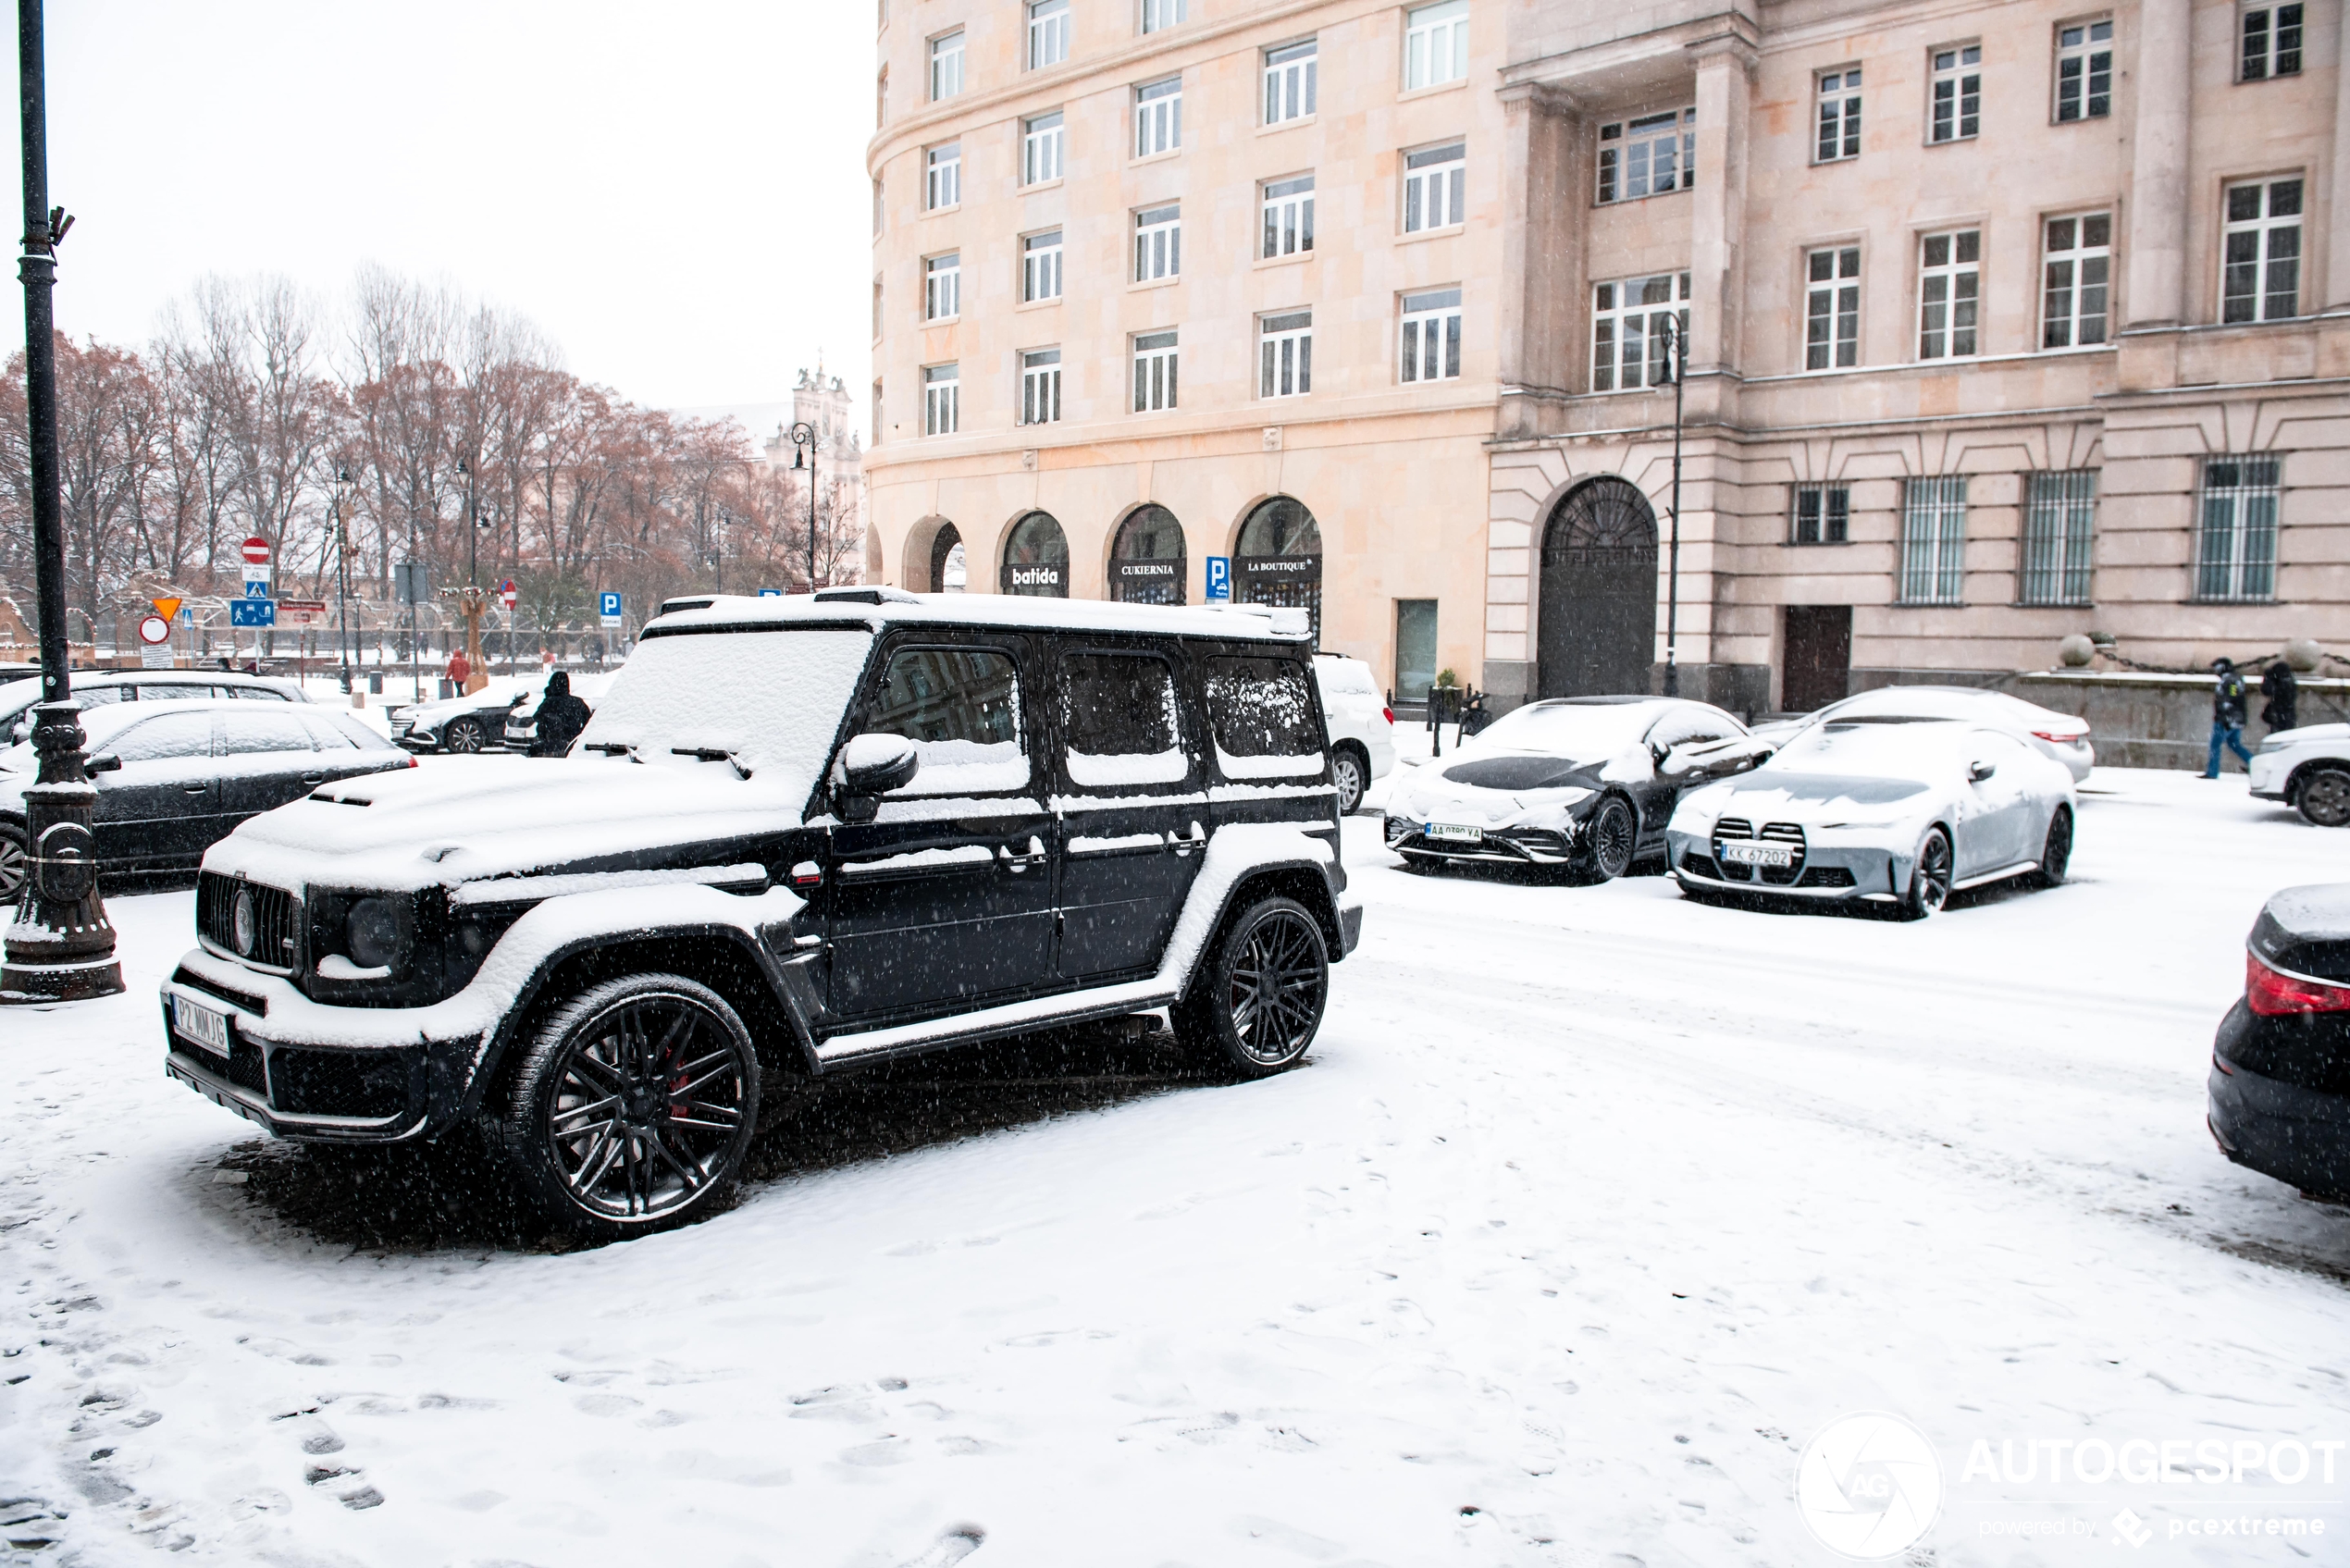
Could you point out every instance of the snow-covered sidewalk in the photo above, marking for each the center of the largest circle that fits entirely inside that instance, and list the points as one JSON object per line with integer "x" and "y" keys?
{"x": 1591, "y": 1207}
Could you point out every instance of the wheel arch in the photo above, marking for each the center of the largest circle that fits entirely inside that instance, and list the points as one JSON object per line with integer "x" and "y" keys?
{"x": 2301, "y": 775}
{"x": 1300, "y": 879}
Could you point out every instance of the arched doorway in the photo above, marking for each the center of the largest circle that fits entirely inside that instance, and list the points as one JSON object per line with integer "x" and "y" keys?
{"x": 1279, "y": 558}
{"x": 1146, "y": 559}
{"x": 948, "y": 573}
{"x": 1597, "y": 636}
{"x": 1037, "y": 558}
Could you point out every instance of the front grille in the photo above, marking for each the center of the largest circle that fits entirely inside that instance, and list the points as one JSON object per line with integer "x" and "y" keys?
{"x": 1786, "y": 834}
{"x": 1825, "y": 876}
{"x": 1741, "y": 830}
{"x": 246, "y": 1067}
{"x": 338, "y": 1083}
{"x": 1697, "y": 865}
{"x": 276, "y": 916}
{"x": 1534, "y": 841}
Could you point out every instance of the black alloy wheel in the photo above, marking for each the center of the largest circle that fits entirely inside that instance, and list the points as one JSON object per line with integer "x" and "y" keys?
{"x": 16, "y": 862}
{"x": 1930, "y": 878}
{"x": 2056, "y": 851}
{"x": 1348, "y": 774}
{"x": 632, "y": 1106}
{"x": 1257, "y": 1003}
{"x": 463, "y": 735}
{"x": 2324, "y": 797}
{"x": 1610, "y": 840}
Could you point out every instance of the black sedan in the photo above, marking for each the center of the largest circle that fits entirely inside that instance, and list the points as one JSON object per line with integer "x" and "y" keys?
{"x": 1583, "y": 783}
{"x": 470, "y": 722}
{"x": 173, "y": 779}
{"x": 2280, "y": 1090}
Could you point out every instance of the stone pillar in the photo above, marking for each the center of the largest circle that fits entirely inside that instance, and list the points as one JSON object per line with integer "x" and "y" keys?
{"x": 1718, "y": 225}
{"x": 2157, "y": 253}
{"x": 1537, "y": 216}
{"x": 2338, "y": 206}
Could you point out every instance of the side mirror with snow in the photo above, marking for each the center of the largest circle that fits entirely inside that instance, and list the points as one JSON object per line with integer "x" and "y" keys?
{"x": 1978, "y": 769}
{"x": 870, "y": 766}
{"x": 106, "y": 764}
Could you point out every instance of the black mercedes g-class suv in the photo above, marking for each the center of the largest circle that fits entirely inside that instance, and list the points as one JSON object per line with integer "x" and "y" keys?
{"x": 799, "y": 835}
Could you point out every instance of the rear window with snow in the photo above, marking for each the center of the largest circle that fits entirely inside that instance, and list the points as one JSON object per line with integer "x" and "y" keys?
{"x": 960, "y": 708}
{"x": 1119, "y": 721}
{"x": 1262, "y": 711}
{"x": 1582, "y": 733}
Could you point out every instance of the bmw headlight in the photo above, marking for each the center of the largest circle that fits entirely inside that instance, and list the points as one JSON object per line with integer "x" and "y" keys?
{"x": 374, "y": 933}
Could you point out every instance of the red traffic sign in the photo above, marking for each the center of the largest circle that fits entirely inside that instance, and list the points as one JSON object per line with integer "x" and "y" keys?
{"x": 506, "y": 593}
{"x": 257, "y": 551}
{"x": 154, "y": 629}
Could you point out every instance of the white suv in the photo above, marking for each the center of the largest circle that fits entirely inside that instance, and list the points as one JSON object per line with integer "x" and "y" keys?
{"x": 1362, "y": 726}
{"x": 2307, "y": 769}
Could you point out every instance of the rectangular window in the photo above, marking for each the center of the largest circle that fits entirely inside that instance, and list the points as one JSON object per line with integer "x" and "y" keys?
{"x": 1832, "y": 309}
{"x": 877, "y": 310}
{"x": 1039, "y": 267}
{"x": 1955, "y": 103}
{"x": 1432, "y": 335}
{"x": 880, "y": 97}
{"x": 943, "y": 286}
{"x": 1648, "y": 156}
{"x": 946, "y": 64}
{"x": 2235, "y": 555}
{"x": 1047, "y": 33}
{"x": 1949, "y": 293}
{"x": 2272, "y": 42}
{"x": 942, "y": 400}
{"x": 877, "y": 208}
{"x": 1823, "y": 514}
{"x": 1285, "y": 354}
{"x": 877, "y": 414}
{"x": 1840, "y": 97}
{"x": 1435, "y": 45}
{"x": 2261, "y": 279}
{"x": 1287, "y": 207}
{"x": 1040, "y": 387}
{"x": 1628, "y": 341}
{"x": 1154, "y": 372}
{"x": 2076, "y": 272}
{"x": 1159, "y": 15}
{"x": 1041, "y": 145}
{"x": 1290, "y": 82}
{"x": 1158, "y": 117}
{"x": 942, "y": 167}
{"x": 1435, "y": 183}
{"x": 2060, "y": 523}
{"x": 1158, "y": 242}
{"x": 2084, "y": 70}
{"x": 1934, "y": 540}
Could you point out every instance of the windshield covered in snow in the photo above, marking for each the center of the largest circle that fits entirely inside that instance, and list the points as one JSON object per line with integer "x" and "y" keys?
{"x": 1941, "y": 702}
{"x": 1592, "y": 733}
{"x": 772, "y": 698}
{"x": 1874, "y": 748}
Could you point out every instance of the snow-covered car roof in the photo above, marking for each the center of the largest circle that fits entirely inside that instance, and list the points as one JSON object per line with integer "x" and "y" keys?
{"x": 17, "y": 694}
{"x": 1972, "y": 703}
{"x": 501, "y": 689}
{"x": 1881, "y": 747}
{"x": 877, "y": 608}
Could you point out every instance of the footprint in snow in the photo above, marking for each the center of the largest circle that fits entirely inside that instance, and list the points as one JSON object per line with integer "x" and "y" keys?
{"x": 958, "y": 1542}
{"x": 891, "y": 1450}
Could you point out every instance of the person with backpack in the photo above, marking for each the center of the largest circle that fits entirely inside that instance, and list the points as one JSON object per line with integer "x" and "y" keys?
{"x": 561, "y": 718}
{"x": 2227, "y": 715}
{"x": 2282, "y": 689}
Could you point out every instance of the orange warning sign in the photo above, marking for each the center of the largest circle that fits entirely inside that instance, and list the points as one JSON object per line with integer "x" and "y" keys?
{"x": 166, "y": 608}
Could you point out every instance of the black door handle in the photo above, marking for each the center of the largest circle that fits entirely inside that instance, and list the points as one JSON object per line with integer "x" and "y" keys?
{"x": 314, "y": 778}
{"x": 194, "y": 789}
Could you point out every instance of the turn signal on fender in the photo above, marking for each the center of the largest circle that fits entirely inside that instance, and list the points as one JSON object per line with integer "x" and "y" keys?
{"x": 2272, "y": 994}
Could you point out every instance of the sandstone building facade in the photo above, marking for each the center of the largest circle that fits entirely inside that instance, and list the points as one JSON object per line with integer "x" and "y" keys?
{"x": 2002, "y": 321}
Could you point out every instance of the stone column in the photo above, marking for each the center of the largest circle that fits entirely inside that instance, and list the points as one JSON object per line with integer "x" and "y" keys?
{"x": 1718, "y": 225}
{"x": 2157, "y": 253}
{"x": 1536, "y": 220}
{"x": 2338, "y": 206}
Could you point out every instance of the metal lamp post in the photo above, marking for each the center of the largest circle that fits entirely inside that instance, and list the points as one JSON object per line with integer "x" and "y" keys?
{"x": 61, "y": 946}
{"x": 803, "y": 436}
{"x": 1676, "y": 364}
{"x": 339, "y": 511}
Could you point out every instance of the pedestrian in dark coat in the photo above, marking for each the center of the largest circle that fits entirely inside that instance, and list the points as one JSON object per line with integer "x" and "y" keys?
{"x": 2227, "y": 715}
{"x": 2282, "y": 689}
{"x": 561, "y": 718}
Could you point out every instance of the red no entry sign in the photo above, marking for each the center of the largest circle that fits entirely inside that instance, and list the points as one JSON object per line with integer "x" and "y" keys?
{"x": 256, "y": 550}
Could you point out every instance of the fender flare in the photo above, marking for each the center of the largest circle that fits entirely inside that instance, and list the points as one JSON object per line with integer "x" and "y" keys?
{"x": 1320, "y": 901}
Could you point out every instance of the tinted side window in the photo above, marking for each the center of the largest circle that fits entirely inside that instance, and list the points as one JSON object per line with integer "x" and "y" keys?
{"x": 1688, "y": 725}
{"x": 160, "y": 739}
{"x": 960, "y": 708}
{"x": 176, "y": 692}
{"x": 1262, "y": 712}
{"x": 255, "y": 694}
{"x": 1119, "y": 721}
{"x": 260, "y": 731}
{"x": 326, "y": 734}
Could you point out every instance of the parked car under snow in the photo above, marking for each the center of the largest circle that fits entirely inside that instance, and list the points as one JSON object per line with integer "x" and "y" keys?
{"x": 466, "y": 723}
{"x": 1582, "y": 783}
{"x": 2060, "y": 737}
{"x": 1894, "y": 811}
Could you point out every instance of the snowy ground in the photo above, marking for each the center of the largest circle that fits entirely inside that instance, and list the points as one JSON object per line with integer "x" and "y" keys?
{"x": 1590, "y": 1208}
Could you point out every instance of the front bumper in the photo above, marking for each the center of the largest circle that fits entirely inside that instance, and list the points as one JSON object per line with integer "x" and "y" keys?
{"x": 1828, "y": 873}
{"x": 2299, "y": 1136}
{"x": 1510, "y": 845}
{"x": 2267, "y": 773}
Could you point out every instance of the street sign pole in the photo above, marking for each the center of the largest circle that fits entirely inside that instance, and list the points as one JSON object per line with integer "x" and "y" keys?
{"x": 61, "y": 946}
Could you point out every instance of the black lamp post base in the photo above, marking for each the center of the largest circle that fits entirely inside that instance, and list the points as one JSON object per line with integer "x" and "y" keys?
{"x": 24, "y": 985}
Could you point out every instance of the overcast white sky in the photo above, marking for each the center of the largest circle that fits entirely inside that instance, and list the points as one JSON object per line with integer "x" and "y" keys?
{"x": 674, "y": 191}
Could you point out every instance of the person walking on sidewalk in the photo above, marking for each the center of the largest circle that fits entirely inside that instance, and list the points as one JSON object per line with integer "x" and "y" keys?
{"x": 2227, "y": 716}
{"x": 2282, "y": 689}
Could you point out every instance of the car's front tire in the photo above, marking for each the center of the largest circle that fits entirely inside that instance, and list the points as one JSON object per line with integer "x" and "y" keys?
{"x": 464, "y": 736}
{"x": 1352, "y": 778}
{"x": 2324, "y": 797}
{"x": 1256, "y": 1001}
{"x": 2056, "y": 850}
{"x": 632, "y": 1106}
{"x": 1610, "y": 841}
{"x": 1929, "y": 877}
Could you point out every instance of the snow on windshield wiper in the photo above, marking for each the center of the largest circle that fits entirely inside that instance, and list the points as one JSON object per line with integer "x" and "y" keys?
{"x": 711, "y": 754}
{"x": 614, "y": 748}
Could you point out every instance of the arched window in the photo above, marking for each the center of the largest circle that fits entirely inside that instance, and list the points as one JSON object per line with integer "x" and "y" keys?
{"x": 947, "y": 574}
{"x": 1146, "y": 561}
{"x": 1037, "y": 558}
{"x": 1279, "y": 558}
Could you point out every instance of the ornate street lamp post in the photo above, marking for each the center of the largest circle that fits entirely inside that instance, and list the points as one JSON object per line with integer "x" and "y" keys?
{"x": 61, "y": 946}
{"x": 803, "y": 434}
{"x": 1677, "y": 363}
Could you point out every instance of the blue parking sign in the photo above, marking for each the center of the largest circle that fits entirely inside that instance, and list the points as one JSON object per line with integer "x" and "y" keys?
{"x": 608, "y": 606}
{"x": 253, "y": 613}
{"x": 1219, "y": 578}
{"x": 771, "y": 593}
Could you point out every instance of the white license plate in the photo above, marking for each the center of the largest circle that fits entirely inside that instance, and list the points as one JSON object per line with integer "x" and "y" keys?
{"x": 1779, "y": 854}
{"x": 200, "y": 1025}
{"x": 1452, "y": 833}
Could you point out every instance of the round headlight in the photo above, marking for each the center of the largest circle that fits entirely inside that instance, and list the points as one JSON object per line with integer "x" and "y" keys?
{"x": 243, "y": 925}
{"x": 371, "y": 934}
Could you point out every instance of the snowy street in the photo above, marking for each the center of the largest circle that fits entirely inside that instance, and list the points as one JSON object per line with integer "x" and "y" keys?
{"x": 1589, "y": 1209}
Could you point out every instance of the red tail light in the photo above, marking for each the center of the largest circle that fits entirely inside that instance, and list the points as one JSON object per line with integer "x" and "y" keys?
{"x": 2272, "y": 994}
{"x": 1388, "y": 713}
{"x": 2058, "y": 737}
